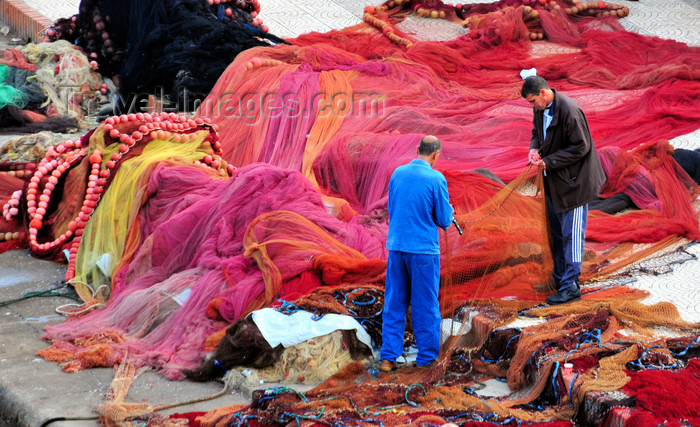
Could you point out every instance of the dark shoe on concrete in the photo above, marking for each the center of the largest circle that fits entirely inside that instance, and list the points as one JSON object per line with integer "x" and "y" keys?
{"x": 562, "y": 297}
{"x": 387, "y": 366}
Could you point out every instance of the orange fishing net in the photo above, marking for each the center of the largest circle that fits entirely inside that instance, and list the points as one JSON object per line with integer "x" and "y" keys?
{"x": 189, "y": 250}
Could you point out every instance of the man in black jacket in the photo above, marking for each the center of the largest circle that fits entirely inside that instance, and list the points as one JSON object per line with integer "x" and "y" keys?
{"x": 562, "y": 145}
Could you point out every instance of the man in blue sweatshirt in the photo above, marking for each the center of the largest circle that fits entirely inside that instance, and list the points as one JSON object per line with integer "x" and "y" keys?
{"x": 418, "y": 205}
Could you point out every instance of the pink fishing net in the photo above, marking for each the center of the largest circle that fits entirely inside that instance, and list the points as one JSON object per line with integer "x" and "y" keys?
{"x": 316, "y": 129}
{"x": 194, "y": 236}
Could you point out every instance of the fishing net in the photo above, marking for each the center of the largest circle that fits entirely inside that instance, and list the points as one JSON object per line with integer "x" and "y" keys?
{"x": 116, "y": 411}
{"x": 236, "y": 239}
{"x": 15, "y": 58}
{"x": 175, "y": 49}
{"x": 9, "y": 95}
{"x": 294, "y": 208}
{"x": 594, "y": 341}
{"x": 312, "y": 362}
{"x": 17, "y": 164}
{"x": 352, "y": 158}
{"x": 665, "y": 396}
{"x": 65, "y": 76}
{"x": 244, "y": 344}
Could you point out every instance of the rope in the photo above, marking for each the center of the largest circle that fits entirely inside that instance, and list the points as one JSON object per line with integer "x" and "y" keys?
{"x": 386, "y": 408}
{"x": 270, "y": 393}
{"x": 287, "y": 307}
{"x": 46, "y": 293}
{"x": 191, "y": 401}
{"x": 491, "y": 418}
{"x": 555, "y": 371}
{"x": 504, "y": 350}
{"x": 641, "y": 365}
{"x": 155, "y": 408}
{"x": 296, "y": 417}
{"x": 405, "y": 395}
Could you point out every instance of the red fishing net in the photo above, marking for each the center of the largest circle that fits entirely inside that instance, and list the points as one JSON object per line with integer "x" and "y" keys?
{"x": 666, "y": 398}
{"x": 315, "y": 130}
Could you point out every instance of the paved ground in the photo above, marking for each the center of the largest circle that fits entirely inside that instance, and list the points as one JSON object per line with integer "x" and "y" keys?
{"x": 33, "y": 391}
{"x": 670, "y": 19}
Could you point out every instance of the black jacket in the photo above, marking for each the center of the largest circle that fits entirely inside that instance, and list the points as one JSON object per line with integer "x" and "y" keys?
{"x": 574, "y": 174}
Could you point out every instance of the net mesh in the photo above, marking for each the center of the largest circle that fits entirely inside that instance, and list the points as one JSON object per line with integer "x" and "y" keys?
{"x": 174, "y": 49}
{"x": 311, "y": 362}
{"x": 65, "y": 76}
{"x": 185, "y": 251}
{"x": 593, "y": 340}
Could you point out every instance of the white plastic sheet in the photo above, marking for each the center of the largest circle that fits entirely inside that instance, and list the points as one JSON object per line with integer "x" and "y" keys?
{"x": 291, "y": 329}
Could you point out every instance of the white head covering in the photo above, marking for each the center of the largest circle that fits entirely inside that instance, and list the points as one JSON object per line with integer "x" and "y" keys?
{"x": 528, "y": 73}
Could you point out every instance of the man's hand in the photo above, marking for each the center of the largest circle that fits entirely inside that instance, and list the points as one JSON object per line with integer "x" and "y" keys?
{"x": 533, "y": 157}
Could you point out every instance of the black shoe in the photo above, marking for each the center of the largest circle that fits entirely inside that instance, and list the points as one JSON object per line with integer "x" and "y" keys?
{"x": 562, "y": 297}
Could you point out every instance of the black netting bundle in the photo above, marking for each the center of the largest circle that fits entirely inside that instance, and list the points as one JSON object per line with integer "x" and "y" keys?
{"x": 177, "y": 48}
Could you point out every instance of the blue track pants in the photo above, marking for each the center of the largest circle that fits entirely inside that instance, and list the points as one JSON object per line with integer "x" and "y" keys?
{"x": 411, "y": 279}
{"x": 568, "y": 231}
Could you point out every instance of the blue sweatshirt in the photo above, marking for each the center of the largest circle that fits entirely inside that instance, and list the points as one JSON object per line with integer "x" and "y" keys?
{"x": 418, "y": 204}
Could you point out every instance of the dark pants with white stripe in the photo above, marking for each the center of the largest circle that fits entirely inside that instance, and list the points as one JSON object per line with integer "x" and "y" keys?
{"x": 568, "y": 231}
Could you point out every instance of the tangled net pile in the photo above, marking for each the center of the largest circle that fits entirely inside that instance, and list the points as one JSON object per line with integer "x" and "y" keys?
{"x": 46, "y": 86}
{"x": 188, "y": 225}
{"x": 173, "y": 48}
{"x": 529, "y": 358}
